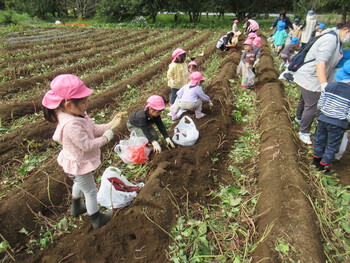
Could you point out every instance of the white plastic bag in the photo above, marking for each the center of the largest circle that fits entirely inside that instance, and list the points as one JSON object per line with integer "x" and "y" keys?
{"x": 249, "y": 77}
{"x": 239, "y": 68}
{"x": 134, "y": 150}
{"x": 108, "y": 196}
{"x": 185, "y": 132}
{"x": 343, "y": 145}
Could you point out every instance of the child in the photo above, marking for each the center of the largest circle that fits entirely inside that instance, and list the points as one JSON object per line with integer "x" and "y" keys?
{"x": 333, "y": 120}
{"x": 142, "y": 121}
{"x": 191, "y": 97}
{"x": 247, "y": 60}
{"x": 224, "y": 41}
{"x": 279, "y": 37}
{"x": 65, "y": 104}
{"x": 235, "y": 26}
{"x": 321, "y": 27}
{"x": 192, "y": 66}
{"x": 296, "y": 28}
{"x": 256, "y": 48}
{"x": 288, "y": 51}
{"x": 177, "y": 73}
{"x": 251, "y": 26}
{"x": 252, "y": 36}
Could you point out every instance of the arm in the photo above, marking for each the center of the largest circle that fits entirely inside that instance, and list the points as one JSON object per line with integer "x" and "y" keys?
{"x": 321, "y": 72}
{"x": 158, "y": 121}
{"x": 80, "y": 138}
{"x": 201, "y": 94}
{"x": 322, "y": 100}
{"x": 170, "y": 75}
{"x": 180, "y": 93}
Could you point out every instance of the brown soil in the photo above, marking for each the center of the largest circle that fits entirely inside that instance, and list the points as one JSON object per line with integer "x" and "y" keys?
{"x": 135, "y": 233}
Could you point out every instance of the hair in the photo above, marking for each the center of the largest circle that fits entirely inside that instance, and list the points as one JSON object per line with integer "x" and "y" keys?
{"x": 231, "y": 34}
{"x": 342, "y": 25}
{"x": 51, "y": 115}
{"x": 180, "y": 58}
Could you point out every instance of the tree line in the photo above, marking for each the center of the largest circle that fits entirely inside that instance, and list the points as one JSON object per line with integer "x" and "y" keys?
{"x": 125, "y": 10}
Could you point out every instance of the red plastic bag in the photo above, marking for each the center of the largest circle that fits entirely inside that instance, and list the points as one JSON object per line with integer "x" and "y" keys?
{"x": 134, "y": 150}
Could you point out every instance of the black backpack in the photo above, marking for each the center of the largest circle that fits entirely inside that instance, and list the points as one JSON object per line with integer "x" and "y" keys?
{"x": 298, "y": 59}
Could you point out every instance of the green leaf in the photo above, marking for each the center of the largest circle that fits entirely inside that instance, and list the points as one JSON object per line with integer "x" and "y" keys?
{"x": 24, "y": 231}
{"x": 346, "y": 227}
{"x": 4, "y": 245}
{"x": 283, "y": 248}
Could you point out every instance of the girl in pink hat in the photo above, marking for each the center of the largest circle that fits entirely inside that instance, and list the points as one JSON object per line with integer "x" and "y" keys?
{"x": 235, "y": 26}
{"x": 142, "y": 122}
{"x": 65, "y": 105}
{"x": 247, "y": 60}
{"x": 192, "y": 67}
{"x": 191, "y": 97}
{"x": 177, "y": 73}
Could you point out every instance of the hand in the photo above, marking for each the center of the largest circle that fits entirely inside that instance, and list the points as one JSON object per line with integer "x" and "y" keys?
{"x": 210, "y": 104}
{"x": 323, "y": 85}
{"x": 256, "y": 63}
{"x": 170, "y": 143}
{"x": 117, "y": 120}
{"x": 271, "y": 28}
{"x": 156, "y": 147}
{"x": 108, "y": 134}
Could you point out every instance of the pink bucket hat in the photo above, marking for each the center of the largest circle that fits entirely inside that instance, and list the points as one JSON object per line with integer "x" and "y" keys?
{"x": 257, "y": 41}
{"x": 155, "y": 102}
{"x": 252, "y": 35}
{"x": 64, "y": 87}
{"x": 195, "y": 77}
{"x": 194, "y": 63}
{"x": 177, "y": 52}
{"x": 236, "y": 21}
{"x": 248, "y": 41}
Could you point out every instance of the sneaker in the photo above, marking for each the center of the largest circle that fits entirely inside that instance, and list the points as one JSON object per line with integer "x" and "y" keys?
{"x": 200, "y": 115}
{"x": 305, "y": 137}
{"x": 297, "y": 119}
{"x": 174, "y": 116}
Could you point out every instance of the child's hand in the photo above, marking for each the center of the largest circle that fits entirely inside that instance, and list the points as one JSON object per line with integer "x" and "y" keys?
{"x": 117, "y": 120}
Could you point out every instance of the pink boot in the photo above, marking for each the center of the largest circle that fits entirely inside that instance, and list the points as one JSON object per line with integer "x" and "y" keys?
{"x": 199, "y": 114}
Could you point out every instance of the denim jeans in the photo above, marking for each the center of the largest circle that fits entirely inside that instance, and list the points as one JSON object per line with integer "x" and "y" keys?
{"x": 327, "y": 141}
{"x": 173, "y": 95}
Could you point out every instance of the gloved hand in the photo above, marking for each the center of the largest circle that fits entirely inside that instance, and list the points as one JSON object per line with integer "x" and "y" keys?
{"x": 108, "y": 134}
{"x": 210, "y": 104}
{"x": 117, "y": 120}
{"x": 256, "y": 63}
{"x": 169, "y": 143}
{"x": 323, "y": 85}
{"x": 271, "y": 28}
{"x": 156, "y": 147}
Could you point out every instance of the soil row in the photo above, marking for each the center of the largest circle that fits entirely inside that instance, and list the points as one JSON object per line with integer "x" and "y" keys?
{"x": 12, "y": 111}
{"x": 135, "y": 232}
{"x": 52, "y": 176}
{"x": 20, "y": 85}
{"x": 66, "y": 50}
{"x": 283, "y": 203}
{"x": 8, "y": 148}
{"x": 71, "y": 55}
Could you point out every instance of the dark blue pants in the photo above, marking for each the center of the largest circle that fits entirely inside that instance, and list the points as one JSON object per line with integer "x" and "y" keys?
{"x": 173, "y": 95}
{"x": 327, "y": 141}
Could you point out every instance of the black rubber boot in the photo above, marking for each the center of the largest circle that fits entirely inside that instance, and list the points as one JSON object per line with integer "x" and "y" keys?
{"x": 316, "y": 162}
{"x": 77, "y": 207}
{"x": 99, "y": 220}
{"x": 325, "y": 168}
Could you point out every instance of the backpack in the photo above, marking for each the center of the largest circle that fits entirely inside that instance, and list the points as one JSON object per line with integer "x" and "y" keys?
{"x": 298, "y": 59}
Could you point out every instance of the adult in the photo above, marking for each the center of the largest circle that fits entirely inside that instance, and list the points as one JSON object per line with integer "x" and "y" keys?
{"x": 307, "y": 27}
{"x": 313, "y": 76}
{"x": 283, "y": 17}
{"x": 224, "y": 41}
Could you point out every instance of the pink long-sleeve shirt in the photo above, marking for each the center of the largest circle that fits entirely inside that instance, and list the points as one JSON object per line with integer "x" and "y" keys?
{"x": 81, "y": 141}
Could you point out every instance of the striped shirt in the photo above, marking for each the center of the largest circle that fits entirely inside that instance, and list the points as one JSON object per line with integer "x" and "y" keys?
{"x": 334, "y": 104}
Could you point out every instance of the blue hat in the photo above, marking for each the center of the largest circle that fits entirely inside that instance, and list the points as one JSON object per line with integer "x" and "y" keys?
{"x": 321, "y": 25}
{"x": 343, "y": 73}
{"x": 294, "y": 40}
{"x": 310, "y": 13}
{"x": 281, "y": 25}
{"x": 297, "y": 19}
{"x": 346, "y": 56}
